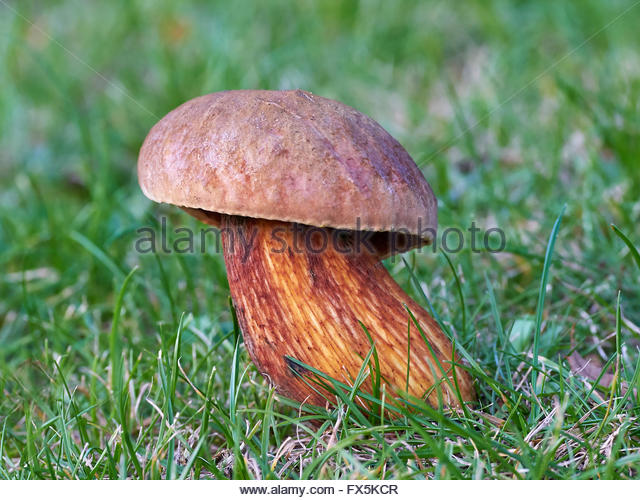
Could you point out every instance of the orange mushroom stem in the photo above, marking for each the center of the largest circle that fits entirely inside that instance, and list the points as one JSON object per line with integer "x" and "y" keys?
{"x": 307, "y": 294}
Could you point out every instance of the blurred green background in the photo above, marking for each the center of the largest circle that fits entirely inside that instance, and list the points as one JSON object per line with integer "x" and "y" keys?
{"x": 512, "y": 109}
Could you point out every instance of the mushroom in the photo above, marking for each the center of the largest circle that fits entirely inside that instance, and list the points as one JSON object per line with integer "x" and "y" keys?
{"x": 309, "y": 196}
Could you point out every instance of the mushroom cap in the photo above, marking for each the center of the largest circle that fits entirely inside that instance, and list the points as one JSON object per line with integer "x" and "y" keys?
{"x": 286, "y": 155}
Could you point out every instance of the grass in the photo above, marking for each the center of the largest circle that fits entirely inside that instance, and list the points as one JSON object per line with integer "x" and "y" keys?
{"x": 120, "y": 365}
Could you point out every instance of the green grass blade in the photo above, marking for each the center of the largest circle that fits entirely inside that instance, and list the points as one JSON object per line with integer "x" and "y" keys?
{"x": 632, "y": 248}
{"x": 541, "y": 299}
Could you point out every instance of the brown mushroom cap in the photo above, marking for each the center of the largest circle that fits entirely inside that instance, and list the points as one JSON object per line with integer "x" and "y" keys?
{"x": 285, "y": 155}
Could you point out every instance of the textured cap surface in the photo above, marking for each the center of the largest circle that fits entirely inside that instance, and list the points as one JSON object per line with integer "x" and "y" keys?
{"x": 285, "y": 155}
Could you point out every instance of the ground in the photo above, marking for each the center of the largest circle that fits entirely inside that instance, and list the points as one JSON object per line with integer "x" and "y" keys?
{"x": 523, "y": 116}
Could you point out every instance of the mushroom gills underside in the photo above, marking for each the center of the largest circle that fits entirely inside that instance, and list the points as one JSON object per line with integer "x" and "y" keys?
{"x": 307, "y": 294}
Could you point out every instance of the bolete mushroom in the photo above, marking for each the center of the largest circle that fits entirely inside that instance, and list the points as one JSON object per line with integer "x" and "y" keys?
{"x": 310, "y": 195}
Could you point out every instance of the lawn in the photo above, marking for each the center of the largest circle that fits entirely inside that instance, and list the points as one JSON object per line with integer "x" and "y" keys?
{"x": 523, "y": 116}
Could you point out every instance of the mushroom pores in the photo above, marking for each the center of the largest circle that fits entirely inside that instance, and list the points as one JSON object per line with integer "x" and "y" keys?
{"x": 292, "y": 179}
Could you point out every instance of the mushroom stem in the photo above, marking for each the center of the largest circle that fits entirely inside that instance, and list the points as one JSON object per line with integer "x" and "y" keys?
{"x": 294, "y": 298}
